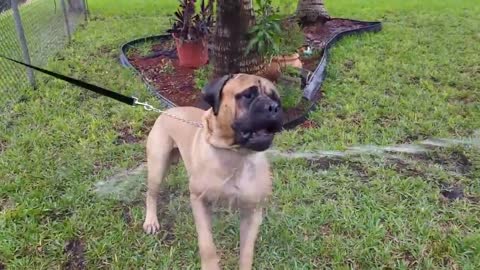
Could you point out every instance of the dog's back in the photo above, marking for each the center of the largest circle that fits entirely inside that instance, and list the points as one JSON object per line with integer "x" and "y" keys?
{"x": 181, "y": 120}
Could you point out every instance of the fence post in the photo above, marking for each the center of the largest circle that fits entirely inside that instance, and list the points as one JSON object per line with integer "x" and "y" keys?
{"x": 67, "y": 23}
{"x": 23, "y": 41}
{"x": 85, "y": 9}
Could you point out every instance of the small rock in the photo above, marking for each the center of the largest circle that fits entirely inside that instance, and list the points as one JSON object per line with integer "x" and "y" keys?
{"x": 452, "y": 193}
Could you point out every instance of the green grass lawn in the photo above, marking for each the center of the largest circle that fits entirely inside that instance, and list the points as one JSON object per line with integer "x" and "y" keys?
{"x": 416, "y": 79}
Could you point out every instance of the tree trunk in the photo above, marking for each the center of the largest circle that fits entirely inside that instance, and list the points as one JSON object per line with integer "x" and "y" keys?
{"x": 310, "y": 11}
{"x": 234, "y": 18}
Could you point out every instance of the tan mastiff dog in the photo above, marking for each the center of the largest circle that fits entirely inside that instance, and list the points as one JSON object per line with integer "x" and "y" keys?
{"x": 225, "y": 159}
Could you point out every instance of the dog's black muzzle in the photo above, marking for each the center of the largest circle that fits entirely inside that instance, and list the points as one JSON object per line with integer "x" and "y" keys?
{"x": 255, "y": 130}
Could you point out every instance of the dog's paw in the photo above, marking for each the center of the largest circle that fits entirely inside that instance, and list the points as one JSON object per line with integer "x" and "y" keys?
{"x": 151, "y": 226}
{"x": 211, "y": 266}
{"x": 210, "y": 262}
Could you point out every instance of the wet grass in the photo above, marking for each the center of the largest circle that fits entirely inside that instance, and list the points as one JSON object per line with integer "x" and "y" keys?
{"x": 416, "y": 79}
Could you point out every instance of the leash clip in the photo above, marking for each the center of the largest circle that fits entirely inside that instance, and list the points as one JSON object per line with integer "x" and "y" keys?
{"x": 149, "y": 107}
{"x": 145, "y": 105}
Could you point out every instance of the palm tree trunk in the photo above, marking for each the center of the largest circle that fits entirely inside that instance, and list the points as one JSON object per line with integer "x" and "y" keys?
{"x": 310, "y": 11}
{"x": 234, "y": 18}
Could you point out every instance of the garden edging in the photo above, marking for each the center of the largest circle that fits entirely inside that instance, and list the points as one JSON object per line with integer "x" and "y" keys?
{"x": 310, "y": 90}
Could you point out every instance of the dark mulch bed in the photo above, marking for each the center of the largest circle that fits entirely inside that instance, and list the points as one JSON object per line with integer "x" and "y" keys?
{"x": 161, "y": 67}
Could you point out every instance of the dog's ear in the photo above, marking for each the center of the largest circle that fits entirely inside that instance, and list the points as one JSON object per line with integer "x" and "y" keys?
{"x": 212, "y": 92}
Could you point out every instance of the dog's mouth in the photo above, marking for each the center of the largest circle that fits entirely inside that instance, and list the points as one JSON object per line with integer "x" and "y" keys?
{"x": 262, "y": 133}
{"x": 259, "y": 139}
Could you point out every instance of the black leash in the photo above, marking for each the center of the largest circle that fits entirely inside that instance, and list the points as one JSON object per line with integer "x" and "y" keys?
{"x": 105, "y": 92}
{"x": 88, "y": 86}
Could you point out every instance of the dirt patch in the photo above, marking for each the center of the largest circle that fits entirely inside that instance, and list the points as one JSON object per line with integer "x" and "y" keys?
{"x": 308, "y": 124}
{"x": 126, "y": 215}
{"x": 414, "y": 80}
{"x": 349, "y": 65}
{"x": 126, "y": 133}
{"x": 455, "y": 161}
{"x": 75, "y": 251}
{"x": 167, "y": 221}
{"x": 473, "y": 199}
{"x": 147, "y": 126}
{"x": 410, "y": 138}
{"x": 325, "y": 230}
{"x": 415, "y": 165}
{"x": 358, "y": 169}
{"x": 410, "y": 259}
{"x": 326, "y": 163}
{"x": 3, "y": 145}
{"x": 55, "y": 215}
{"x": 169, "y": 235}
{"x": 452, "y": 192}
{"x": 6, "y": 204}
{"x": 126, "y": 136}
{"x": 465, "y": 97}
{"x": 405, "y": 168}
{"x": 99, "y": 166}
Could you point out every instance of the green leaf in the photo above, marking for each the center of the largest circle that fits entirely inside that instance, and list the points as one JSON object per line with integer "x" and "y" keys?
{"x": 277, "y": 28}
{"x": 276, "y": 17}
{"x": 261, "y": 45}
{"x": 250, "y": 46}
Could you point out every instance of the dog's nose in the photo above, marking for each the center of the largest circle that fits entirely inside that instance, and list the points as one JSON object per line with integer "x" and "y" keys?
{"x": 271, "y": 107}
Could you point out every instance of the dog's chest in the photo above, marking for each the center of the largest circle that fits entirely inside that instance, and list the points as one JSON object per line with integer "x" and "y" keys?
{"x": 244, "y": 182}
{"x": 241, "y": 183}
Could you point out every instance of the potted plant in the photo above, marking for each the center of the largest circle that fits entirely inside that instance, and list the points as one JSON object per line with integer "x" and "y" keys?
{"x": 291, "y": 41}
{"x": 190, "y": 31}
{"x": 264, "y": 37}
{"x": 276, "y": 40}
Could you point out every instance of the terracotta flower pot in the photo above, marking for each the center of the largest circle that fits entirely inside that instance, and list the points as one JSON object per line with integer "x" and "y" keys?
{"x": 289, "y": 60}
{"x": 192, "y": 54}
{"x": 272, "y": 71}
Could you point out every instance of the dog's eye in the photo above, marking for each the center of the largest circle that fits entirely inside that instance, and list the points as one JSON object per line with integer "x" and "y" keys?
{"x": 248, "y": 94}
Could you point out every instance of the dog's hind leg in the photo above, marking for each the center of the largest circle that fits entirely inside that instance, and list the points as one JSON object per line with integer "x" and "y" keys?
{"x": 160, "y": 155}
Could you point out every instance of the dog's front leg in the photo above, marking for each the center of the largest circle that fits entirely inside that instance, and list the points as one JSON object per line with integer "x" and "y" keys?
{"x": 206, "y": 245}
{"x": 250, "y": 221}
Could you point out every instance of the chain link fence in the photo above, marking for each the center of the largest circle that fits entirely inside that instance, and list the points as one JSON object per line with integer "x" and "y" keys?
{"x": 32, "y": 31}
